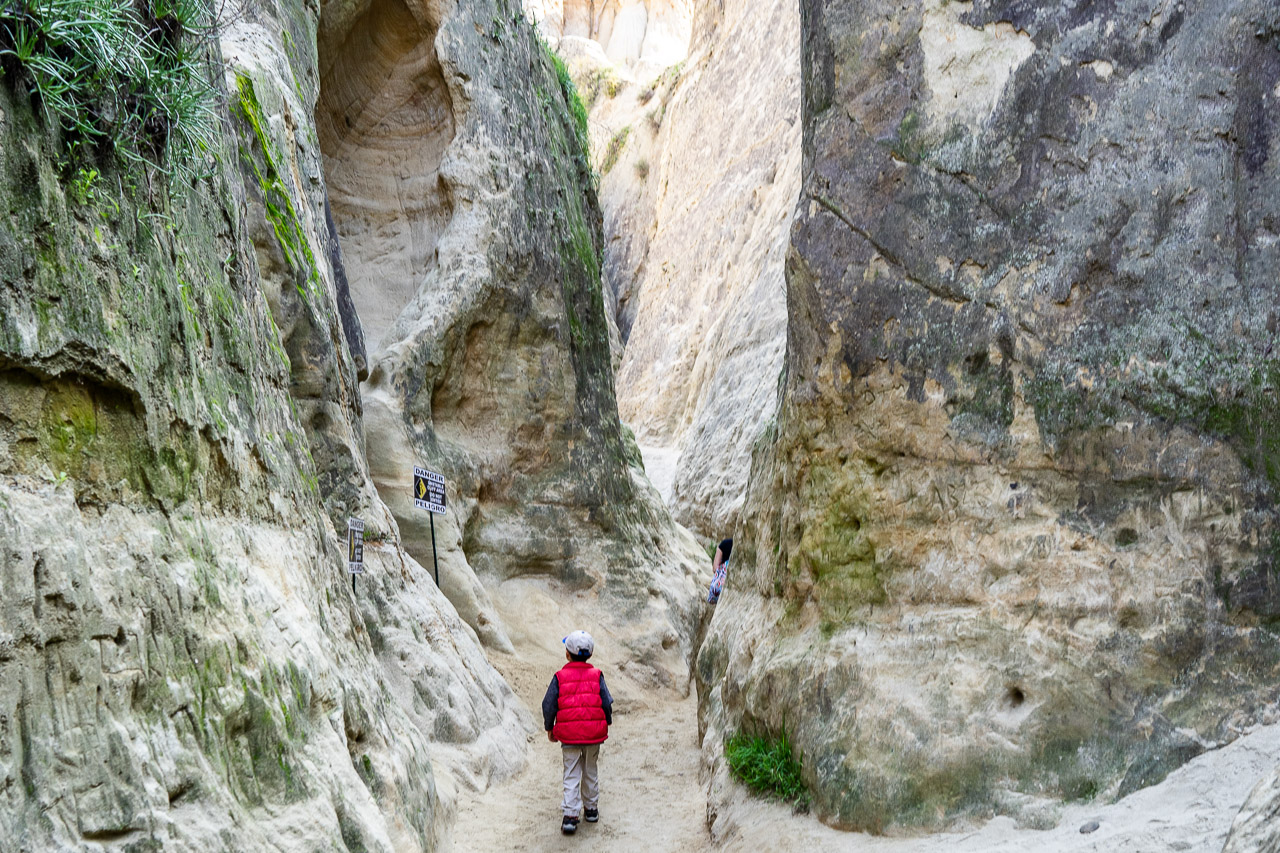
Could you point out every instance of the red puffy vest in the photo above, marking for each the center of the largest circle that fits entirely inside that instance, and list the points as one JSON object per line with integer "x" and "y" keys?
{"x": 579, "y": 713}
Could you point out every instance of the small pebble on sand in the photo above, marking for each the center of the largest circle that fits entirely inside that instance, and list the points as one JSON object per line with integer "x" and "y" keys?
{"x": 1089, "y": 827}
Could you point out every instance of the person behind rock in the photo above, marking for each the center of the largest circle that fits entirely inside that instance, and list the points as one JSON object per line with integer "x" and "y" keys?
{"x": 577, "y": 712}
{"x": 719, "y": 570}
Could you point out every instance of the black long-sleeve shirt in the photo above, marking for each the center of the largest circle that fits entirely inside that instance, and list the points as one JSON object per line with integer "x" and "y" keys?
{"x": 551, "y": 703}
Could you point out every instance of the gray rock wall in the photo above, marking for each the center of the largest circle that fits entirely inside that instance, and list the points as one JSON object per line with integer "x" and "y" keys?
{"x": 1016, "y": 527}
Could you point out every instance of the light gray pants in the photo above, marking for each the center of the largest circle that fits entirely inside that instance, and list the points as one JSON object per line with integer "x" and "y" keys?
{"x": 581, "y": 781}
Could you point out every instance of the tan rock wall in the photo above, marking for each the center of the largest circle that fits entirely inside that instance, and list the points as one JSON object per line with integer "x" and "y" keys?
{"x": 640, "y": 37}
{"x": 185, "y": 661}
{"x": 695, "y": 255}
{"x": 497, "y": 371}
{"x": 384, "y": 120}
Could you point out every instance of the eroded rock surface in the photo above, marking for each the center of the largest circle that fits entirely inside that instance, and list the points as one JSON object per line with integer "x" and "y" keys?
{"x": 639, "y": 37}
{"x": 184, "y": 662}
{"x": 1016, "y": 527}
{"x": 702, "y": 359}
{"x": 496, "y": 371}
{"x": 384, "y": 120}
{"x": 1256, "y": 828}
{"x": 700, "y": 168}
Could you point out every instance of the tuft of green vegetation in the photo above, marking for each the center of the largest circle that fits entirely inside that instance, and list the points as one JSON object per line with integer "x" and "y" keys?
{"x": 83, "y": 186}
{"x": 131, "y": 77}
{"x": 655, "y": 117}
{"x": 279, "y": 204}
{"x": 604, "y": 81}
{"x": 642, "y": 168}
{"x": 767, "y": 767}
{"x": 671, "y": 76}
{"x": 577, "y": 109}
{"x": 614, "y": 149}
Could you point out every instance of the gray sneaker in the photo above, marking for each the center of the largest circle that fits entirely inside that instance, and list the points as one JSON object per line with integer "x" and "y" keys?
{"x": 592, "y": 816}
{"x": 569, "y": 825}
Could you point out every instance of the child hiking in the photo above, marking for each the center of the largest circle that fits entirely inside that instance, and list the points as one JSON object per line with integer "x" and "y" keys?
{"x": 719, "y": 570}
{"x": 577, "y": 712}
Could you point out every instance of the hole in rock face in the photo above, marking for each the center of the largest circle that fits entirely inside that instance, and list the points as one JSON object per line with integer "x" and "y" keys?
{"x": 1014, "y": 697}
{"x": 384, "y": 119}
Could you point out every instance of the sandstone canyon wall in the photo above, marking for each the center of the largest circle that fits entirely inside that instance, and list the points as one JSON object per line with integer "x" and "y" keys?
{"x": 1014, "y": 533}
{"x": 458, "y": 167}
{"x": 702, "y": 359}
{"x": 639, "y": 38}
{"x": 184, "y": 662}
{"x": 700, "y": 168}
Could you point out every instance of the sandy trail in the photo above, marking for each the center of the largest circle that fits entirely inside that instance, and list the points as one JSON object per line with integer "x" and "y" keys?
{"x": 650, "y": 798}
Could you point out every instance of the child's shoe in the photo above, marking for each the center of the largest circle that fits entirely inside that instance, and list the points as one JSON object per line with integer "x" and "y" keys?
{"x": 569, "y": 825}
{"x": 592, "y": 815}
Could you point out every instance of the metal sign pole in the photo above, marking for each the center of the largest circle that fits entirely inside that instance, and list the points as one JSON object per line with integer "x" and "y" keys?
{"x": 429, "y": 494}
{"x": 355, "y": 549}
{"x": 433, "y": 548}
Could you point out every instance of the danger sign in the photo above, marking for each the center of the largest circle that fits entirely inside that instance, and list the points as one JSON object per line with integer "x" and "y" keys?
{"x": 428, "y": 490}
{"x": 355, "y": 546}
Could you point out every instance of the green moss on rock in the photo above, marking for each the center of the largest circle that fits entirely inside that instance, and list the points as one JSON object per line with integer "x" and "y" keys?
{"x": 276, "y": 198}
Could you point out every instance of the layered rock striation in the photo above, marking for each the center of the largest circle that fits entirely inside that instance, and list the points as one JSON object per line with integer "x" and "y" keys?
{"x": 1014, "y": 532}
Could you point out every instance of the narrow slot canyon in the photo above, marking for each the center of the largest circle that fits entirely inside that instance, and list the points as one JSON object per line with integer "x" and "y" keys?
{"x": 694, "y": 122}
{"x": 957, "y": 318}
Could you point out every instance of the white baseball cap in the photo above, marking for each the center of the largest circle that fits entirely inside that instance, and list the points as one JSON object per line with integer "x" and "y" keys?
{"x": 579, "y": 643}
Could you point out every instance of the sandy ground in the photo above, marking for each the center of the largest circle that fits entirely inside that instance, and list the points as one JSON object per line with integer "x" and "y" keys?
{"x": 650, "y": 799}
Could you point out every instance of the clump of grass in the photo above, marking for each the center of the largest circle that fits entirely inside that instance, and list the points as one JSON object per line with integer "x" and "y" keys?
{"x": 642, "y": 168}
{"x": 83, "y": 186}
{"x": 767, "y": 767}
{"x": 613, "y": 150}
{"x": 604, "y": 81}
{"x": 671, "y": 76}
{"x": 577, "y": 109}
{"x": 655, "y": 117}
{"x": 132, "y": 77}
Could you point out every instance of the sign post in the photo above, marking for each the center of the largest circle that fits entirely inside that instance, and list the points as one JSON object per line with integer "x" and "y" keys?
{"x": 428, "y": 494}
{"x": 355, "y": 549}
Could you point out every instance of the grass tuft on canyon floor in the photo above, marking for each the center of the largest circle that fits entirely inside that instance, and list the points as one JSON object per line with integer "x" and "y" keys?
{"x": 767, "y": 767}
